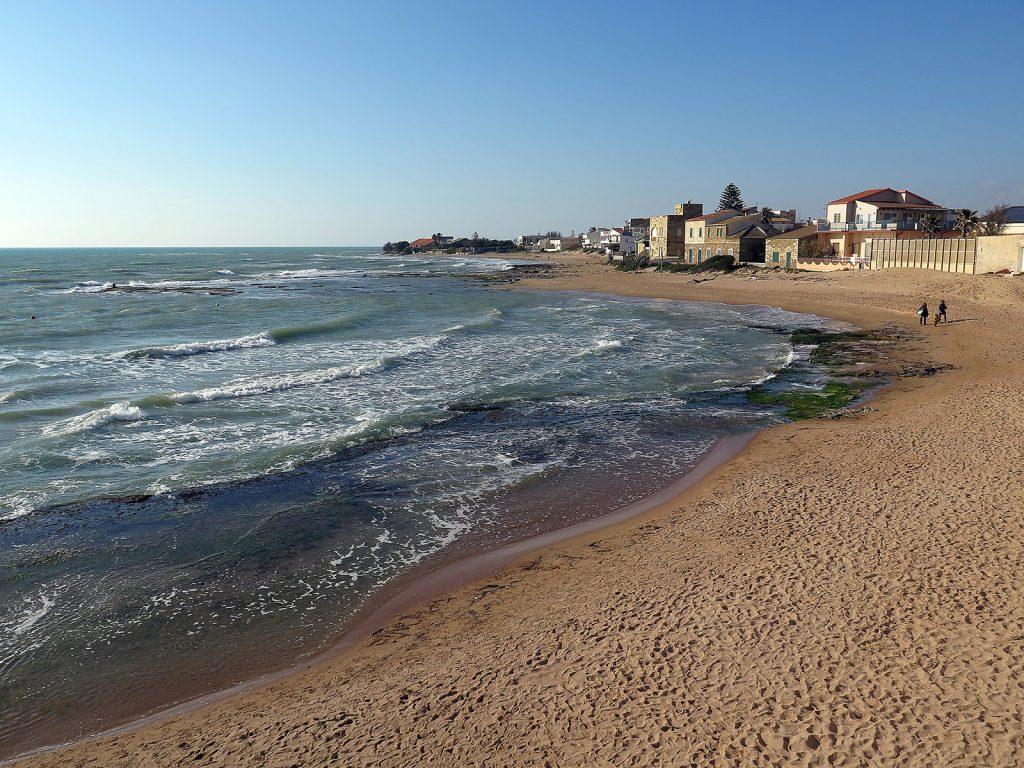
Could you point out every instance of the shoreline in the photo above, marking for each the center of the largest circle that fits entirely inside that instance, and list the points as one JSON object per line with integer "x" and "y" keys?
{"x": 436, "y": 577}
{"x": 417, "y": 588}
{"x": 661, "y": 511}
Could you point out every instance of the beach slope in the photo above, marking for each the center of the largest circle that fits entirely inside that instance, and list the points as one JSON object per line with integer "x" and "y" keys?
{"x": 844, "y": 592}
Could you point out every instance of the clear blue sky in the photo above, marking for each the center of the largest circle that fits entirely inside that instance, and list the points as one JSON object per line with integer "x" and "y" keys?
{"x": 258, "y": 123}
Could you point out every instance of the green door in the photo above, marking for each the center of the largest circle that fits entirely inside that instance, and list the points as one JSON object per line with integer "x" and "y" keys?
{"x": 789, "y": 260}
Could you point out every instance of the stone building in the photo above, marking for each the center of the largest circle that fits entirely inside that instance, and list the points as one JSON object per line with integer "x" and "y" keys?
{"x": 722, "y": 237}
{"x": 696, "y": 230}
{"x": 784, "y": 249}
{"x": 667, "y": 234}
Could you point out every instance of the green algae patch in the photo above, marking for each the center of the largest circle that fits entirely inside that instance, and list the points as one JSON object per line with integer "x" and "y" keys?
{"x": 839, "y": 349}
{"x": 833, "y": 397}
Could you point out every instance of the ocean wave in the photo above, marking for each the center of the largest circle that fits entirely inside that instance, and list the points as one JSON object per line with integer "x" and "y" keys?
{"x": 315, "y": 329}
{"x": 94, "y": 419}
{"x": 271, "y": 384}
{"x": 487, "y": 321}
{"x": 224, "y": 272}
{"x": 603, "y": 347}
{"x": 306, "y": 274}
{"x": 89, "y": 286}
{"x": 188, "y": 349}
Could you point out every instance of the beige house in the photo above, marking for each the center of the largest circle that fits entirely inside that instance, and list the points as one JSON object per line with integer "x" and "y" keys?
{"x": 696, "y": 232}
{"x": 853, "y": 222}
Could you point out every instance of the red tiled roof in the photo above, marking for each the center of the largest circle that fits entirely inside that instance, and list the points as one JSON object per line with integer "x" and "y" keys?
{"x": 908, "y": 205}
{"x": 423, "y": 241}
{"x": 865, "y": 193}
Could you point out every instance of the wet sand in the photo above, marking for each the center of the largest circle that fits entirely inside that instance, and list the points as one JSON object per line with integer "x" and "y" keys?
{"x": 843, "y": 592}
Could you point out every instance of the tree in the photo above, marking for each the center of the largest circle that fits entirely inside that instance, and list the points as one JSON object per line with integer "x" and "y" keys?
{"x": 931, "y": 224}
{"x": 767, "y": 220}
{"x": 993, "y": 221}
{"x": 966, "y": 221}
{"x": 731, "y": 199}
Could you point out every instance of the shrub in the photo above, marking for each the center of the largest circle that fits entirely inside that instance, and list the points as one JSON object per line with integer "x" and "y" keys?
{"x": 722, "y": 263}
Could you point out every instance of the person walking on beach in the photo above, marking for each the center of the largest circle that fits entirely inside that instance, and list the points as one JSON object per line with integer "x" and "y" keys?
{"x": 942, "y": 313}
{"x": 923, "y": 313}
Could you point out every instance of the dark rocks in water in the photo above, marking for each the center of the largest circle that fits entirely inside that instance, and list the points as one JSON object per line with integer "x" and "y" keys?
{"x": 517, "y": 272}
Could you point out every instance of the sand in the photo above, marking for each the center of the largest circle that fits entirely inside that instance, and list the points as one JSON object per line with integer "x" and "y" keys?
{"x": 843, "y": 592}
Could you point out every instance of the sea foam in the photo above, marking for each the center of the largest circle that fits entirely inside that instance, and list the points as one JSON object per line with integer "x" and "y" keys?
{"x": 191, "y": 348}
{"x": 280, "y": 383}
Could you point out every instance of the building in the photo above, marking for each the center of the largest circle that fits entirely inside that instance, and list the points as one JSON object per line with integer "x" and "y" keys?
{"x": 723, "y": 237}
{"x": 1014, "y": 220}
{"x": 853, "y": 222}
{"x": 570, "y": 243}
{"x": 532, "y": 242}
{"x": 667, "y": 237}
{"x": 423, "y": 242}
{"x": 696, "y": 228}
{"x": 630, "y": 243}
{"x": 785, "y": 248}
{"x": 639, "y": 227}
{"x": 603, "y": 238}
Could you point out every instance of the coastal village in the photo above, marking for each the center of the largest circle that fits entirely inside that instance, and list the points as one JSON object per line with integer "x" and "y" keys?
{"x": 872, "y": 229}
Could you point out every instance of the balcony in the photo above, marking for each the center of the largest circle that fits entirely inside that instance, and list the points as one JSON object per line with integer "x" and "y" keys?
{"x": 871, "y": 225}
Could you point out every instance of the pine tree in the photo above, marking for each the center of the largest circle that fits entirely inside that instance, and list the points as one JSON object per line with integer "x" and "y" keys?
{"x": 731, "y": 199}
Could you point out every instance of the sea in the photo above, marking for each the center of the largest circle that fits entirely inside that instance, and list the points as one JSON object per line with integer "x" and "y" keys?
{"x": 211, "y": 459}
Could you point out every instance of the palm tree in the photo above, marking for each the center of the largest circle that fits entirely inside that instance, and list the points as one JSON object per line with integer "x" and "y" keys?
{"x": 931, "y": 223}
{"x": 766, "y": 220}
{"x": 966, "y": 221}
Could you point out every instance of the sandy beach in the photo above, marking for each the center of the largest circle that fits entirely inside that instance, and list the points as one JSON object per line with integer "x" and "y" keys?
{"x": 842, "y": 592}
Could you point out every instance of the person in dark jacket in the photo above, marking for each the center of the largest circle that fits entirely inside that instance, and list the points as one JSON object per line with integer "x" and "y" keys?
{"x": 942, "y": 313}
{"x": 922, "y": 313}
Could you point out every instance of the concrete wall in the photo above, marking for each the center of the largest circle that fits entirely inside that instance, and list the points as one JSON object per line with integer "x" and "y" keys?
{"x": 999, "y": 252}
{"x": 943, "y": 255}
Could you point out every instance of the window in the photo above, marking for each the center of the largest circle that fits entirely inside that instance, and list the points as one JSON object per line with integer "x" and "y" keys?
{"x": 700, "y": 231}
{"x": 690, "y": 253}
{"x": 718, "y": 252}
{"x": 835, "y": 218}
{"x": 654, "y": 231}
{"x": 721, "y": 231}
{"x": 679, "y": 231}
{"x": 775, "y": 257}
{"x": 691, "y": 231}
{"x": 698, "y": 254}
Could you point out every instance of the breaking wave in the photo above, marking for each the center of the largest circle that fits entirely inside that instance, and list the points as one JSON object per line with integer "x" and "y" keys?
{"x": 189, "y": 349}
{"x": 270, "y": 384}
{"x": 94, "y": 419}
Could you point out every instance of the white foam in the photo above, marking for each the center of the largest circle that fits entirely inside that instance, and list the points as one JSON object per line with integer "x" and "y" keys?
{"x": 279, "y": 383}
{"x": 32, "y": 617}
{"x": 190, "y": 348}
{"x": 89, "y": 286}
{"x": 603, "y": 347}
{"x": 97, "y": 418}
